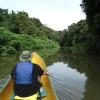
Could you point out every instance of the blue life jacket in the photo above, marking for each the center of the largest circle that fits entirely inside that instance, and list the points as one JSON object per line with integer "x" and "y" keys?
{"x": 24, "y": 73}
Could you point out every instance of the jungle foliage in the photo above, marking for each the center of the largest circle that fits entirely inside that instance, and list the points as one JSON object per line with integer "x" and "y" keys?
{"x": 21, "y": 23}
{"x": 11, "y": 43}
{"x": 20, "y": 32}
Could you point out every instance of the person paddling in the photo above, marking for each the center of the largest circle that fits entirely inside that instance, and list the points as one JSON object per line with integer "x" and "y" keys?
{"x": 25, "y": 75}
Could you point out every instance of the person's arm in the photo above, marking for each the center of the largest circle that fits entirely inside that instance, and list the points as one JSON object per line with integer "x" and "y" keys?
{"x": 39, "y": 70}
{"x": 42, "y": 71}
{"x": 13, "y": 73}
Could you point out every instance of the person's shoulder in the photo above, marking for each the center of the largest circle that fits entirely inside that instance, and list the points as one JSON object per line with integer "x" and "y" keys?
{"x": 19, "y": 62}
{"x": 36, "y": 65}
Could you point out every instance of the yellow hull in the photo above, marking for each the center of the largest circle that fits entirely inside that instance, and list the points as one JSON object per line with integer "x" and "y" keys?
{"x": 45, "y": 78}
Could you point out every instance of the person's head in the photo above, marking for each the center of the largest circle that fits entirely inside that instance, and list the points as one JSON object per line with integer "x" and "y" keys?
{"x": 25, "y": 56}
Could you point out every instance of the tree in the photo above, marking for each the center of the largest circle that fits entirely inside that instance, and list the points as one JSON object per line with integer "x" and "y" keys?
{"x": 4, "y": 16}
{"x": 76, "y": 36}
{"x": 13, "y": 23}
{"x": 92, "y": 10}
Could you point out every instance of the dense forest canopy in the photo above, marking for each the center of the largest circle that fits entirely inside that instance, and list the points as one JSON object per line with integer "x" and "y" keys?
{"x": 21, "y": 23}
{"x": 19, "y": 32}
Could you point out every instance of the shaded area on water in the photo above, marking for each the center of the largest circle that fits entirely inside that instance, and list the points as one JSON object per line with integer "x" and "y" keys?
{"x": 6, "y": 65}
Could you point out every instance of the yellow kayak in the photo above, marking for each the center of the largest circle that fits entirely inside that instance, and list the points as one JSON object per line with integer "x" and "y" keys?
{"x": 45, "y": 80}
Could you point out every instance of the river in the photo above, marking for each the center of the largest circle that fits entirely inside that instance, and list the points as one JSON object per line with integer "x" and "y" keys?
{"x": 74, "y": 77}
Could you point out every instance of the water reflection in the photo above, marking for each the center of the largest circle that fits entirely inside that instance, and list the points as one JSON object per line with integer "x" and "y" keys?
{"x": 78, "y": 74}
{"x": 69, "y": 83}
